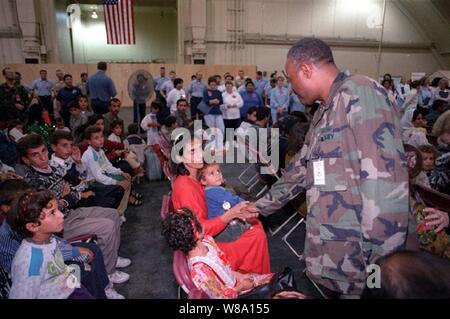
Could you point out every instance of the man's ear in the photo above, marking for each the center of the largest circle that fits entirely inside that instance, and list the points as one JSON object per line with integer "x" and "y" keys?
{"x": 32, "y": 227}
{"x": 305, "y": 70}
{"x": 26, "y": 161}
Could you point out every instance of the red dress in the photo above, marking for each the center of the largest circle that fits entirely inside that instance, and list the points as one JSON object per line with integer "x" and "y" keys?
{"x": 249, "y": 253}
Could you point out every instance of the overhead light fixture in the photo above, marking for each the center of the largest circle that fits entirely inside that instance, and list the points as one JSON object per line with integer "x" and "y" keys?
{"x": 94, "y": 15}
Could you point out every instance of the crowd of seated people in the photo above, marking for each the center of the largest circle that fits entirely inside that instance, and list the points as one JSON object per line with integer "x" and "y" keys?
{"x": 74, "y": 171}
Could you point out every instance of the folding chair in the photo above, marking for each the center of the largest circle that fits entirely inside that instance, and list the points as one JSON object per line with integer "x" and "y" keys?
{"x": 302, "y": 212}
{"x": 183, "y": 277}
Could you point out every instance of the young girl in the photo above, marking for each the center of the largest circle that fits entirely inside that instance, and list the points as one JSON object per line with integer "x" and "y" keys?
{"x": 116, "y": 131}
{"x": 129, "y": 156}
{"x": 38, "y": 270}
{"x": 210, "y": 269}
{"x": 83, "y": 101}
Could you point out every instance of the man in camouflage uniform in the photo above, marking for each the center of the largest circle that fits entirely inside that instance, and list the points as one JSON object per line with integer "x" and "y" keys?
{"x": 352, "y": 168}
{"x": 13, "y": 99}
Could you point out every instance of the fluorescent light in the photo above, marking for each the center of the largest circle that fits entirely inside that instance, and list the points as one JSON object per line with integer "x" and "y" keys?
{"x": 94, "y": 15}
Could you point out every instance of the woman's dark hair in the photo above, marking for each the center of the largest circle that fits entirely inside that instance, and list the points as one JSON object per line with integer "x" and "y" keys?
{"x": 27, "y": 208}
{"x": 212, "y": 79}
{"x": 248, "y": 83}
{"x": 178, "y": 229}
{"x": 411, "y": 275}
{"x": 179, "y": 169}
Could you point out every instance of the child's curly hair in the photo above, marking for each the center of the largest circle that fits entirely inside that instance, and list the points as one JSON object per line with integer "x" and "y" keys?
{"x": 28, "y": 209}
{"x": 180, "y": 229}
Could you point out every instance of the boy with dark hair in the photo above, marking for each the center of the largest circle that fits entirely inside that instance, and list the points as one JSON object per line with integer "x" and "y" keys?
{"x": 99, "y": 221}
{"x": 77, "y": 118}
{"x": 101, "y": 171}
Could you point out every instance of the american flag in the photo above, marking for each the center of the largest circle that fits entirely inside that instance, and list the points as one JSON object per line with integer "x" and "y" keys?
{"x": 119, "y": 20}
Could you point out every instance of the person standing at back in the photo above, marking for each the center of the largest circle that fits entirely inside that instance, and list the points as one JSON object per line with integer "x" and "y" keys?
{"x": 352, "y": 168}
{"x": 101, "y": 89}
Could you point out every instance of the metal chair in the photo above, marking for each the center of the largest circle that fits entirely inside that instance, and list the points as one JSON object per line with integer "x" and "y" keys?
{"x": 302, "y": 211}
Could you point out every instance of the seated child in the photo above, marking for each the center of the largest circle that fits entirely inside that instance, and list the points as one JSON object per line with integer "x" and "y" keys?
{"x": 16, "y": 131}
{"x": 83, "y": 102}
{"x": 100, "y": 170}
{"x": 210, "y": 270}
{"x": 116, "y": 128}
{"x": 38, "y": 270}
{"x": 165, "y": 136}
{"x": 60, "y": 126}
{"x": 77, "y": 119}
{"x": 219, "y": 199}
{"x": 151, "y": 125}
{"x": 93, "y": 275}
{"x": 129, "y": 156}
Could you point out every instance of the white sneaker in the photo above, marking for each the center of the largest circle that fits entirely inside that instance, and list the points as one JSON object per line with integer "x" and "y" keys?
{"x": 119, "y": 277}
{"x": 123, "y": 219}
{"x": 111, "y": 293}
{"x": 123, "y": 262}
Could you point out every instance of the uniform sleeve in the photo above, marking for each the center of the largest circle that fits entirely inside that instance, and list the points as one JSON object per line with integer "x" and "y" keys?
{"x": 206, "y": 280}
{"x": 383, "y": 181}
{"x": 291, "y": 183}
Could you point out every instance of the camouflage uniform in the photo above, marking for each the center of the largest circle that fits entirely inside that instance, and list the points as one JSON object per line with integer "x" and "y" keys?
{"x": 361, "y": 213}
{"x": 9, "y": 96}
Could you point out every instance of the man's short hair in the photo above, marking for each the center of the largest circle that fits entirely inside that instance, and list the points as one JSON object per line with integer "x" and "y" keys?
{"x": 212, "y": 79}
{"x": 259, "y": 73}
{"x": 262, "y": 113}
{"x": 181, "y": 101}
{"x": 43, "y": 71}
{"x": 83, "y": 74}
{"x": 29, "y": 141}
{"x": 58, "y": 136}
{"x": 90, "y": 131}
{"x": 114, "y": 100}
{"x": 67, "y": 76}
{"x": 310, "y": 51}
{"x": 102, "y": 66}
{"x": 177, "y": 81}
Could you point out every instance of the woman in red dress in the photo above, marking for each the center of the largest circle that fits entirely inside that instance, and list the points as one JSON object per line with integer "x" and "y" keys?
{"x": 247, "y": 254}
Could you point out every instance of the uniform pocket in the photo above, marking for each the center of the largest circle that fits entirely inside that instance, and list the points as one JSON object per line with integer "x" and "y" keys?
{"x": 342, "y": 258}
{"x": 335, "y": 178}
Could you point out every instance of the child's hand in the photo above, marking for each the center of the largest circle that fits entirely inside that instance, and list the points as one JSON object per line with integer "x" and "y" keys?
{"x": 66, "y": 190}
{"x": 88, "y": 252}
{"x": 87, "y": 194}
{"x": 126, "y": 176}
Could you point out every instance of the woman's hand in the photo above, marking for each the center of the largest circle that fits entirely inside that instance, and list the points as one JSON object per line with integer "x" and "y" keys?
{"x": 245, "y": 283}
{"x": 436, "y": 217}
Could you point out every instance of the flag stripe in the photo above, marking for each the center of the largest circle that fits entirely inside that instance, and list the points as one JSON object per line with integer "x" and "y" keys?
{"x": 119, "y": 21}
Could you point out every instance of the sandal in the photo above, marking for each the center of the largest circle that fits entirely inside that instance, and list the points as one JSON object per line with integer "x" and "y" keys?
{"x": 137, "y": 195}
{"x": 136, "y": 202}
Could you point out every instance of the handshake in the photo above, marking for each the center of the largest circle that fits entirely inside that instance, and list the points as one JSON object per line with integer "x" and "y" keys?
{"x": 244, "y": 211}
